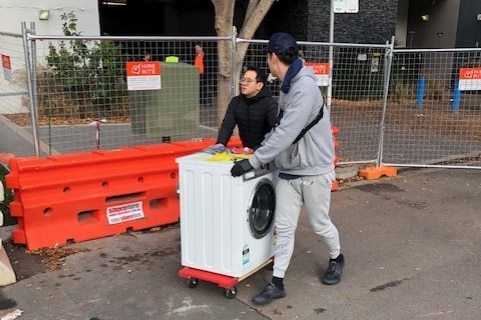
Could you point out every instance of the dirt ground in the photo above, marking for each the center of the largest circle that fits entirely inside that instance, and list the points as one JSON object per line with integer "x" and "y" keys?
{"x": 24, "y": 263}
{"x": 24, "y": 119}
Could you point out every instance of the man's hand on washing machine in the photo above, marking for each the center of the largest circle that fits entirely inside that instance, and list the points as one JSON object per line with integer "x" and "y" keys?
{"x": 216, "y": 148}
{"x": 240, "y": 167}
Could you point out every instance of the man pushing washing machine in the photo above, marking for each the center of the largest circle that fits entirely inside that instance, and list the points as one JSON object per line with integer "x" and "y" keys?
{"x": 303, "y": 149}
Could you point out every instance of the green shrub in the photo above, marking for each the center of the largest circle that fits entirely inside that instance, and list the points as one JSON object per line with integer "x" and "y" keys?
{"x": 82, "y": 78}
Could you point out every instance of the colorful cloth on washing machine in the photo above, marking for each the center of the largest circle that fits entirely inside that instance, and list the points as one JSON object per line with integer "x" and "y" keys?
{"x": 228, "y": 156}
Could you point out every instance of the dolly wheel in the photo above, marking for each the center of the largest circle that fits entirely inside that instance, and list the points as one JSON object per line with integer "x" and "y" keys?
{"x": 192, "y": 282}
{"x": 231, "y": 293}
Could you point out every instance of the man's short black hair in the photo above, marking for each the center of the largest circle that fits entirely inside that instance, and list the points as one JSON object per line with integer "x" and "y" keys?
{"x": 261, "y": 76}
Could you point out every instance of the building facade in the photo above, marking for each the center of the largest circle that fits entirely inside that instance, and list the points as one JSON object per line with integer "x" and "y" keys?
{"x": 413, "y": 23}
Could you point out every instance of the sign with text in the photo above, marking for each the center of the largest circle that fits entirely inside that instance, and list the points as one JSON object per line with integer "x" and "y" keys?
{"x": 346, "y": 6}
{"x": 125, "y": 212}
{"x": 469, "y": 79}
{"x": 7, "y": 67}
{"x": 143, "y": 75}
{"x": 321, "y": 70}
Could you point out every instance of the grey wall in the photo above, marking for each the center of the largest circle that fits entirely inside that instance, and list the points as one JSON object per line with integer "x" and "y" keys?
{"x": 308, "y": 20}
{"x": 469, "y": 29}
{"x": 440, "y": 30}
{"x": 286, "y": 16}
{"x": 402, "y": 34}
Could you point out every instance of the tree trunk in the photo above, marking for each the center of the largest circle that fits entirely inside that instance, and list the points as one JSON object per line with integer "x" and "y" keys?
{"x": 224, "y": 19}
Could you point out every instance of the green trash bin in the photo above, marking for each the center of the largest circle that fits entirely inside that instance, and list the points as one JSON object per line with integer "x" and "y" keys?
{"x": 171, "y": 110}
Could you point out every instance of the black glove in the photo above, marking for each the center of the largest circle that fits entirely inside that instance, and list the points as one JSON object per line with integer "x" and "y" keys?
{"x": 240, "y": 167}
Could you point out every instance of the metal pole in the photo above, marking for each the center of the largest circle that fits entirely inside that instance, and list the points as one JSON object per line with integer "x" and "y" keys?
{"x": 31, "y": 76}
{"x": 331, "y": 54}
{"x": 388, "y": 57}
{"x": 33, "y": 69}
{"x": 234, "y": 88}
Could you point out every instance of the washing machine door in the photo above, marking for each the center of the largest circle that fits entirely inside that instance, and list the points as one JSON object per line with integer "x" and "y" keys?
{"x": 261, "y": 208}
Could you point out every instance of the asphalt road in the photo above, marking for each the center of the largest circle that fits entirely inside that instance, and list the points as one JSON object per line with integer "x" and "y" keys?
{"x": 411, "y": 243}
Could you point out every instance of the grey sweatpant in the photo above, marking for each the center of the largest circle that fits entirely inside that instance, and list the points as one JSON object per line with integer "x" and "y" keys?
{"x": 314, "y": 192}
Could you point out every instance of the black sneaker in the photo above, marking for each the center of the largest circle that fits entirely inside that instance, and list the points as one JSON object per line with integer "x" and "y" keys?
{"x": 334, "y": 271}
{"x": 270, "y": 293}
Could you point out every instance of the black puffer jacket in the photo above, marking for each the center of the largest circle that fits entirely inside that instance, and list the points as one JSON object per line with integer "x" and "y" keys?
{"x": 254, "y": 117}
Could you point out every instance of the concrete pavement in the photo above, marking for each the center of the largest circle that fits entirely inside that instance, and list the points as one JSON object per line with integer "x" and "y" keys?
{"x": 411, "y": 243}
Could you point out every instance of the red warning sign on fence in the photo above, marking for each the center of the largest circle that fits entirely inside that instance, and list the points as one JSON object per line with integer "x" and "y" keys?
{"x": 143, "y": 75}
{"x": 469, "y": 79}
{"x": 7, "y": 67}
{"x": 321, "y": 70}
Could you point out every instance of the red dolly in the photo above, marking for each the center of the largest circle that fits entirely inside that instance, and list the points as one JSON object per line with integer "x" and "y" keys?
{"x": 228, "y": 283}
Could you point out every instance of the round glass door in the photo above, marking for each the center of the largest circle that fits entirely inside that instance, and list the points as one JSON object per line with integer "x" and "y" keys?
{"x": 261, "y": 209}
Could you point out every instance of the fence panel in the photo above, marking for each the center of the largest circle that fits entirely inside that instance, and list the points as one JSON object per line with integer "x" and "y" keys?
{"x": 14, "y": 107}
{"x": 357, "y": 101}
{"x": 430, "y": 120}
{"x": 357, "y": 92}
{"x": 84, "y": 102}
{"x": 13, "y": 85}
{"x": 87, "y": 101}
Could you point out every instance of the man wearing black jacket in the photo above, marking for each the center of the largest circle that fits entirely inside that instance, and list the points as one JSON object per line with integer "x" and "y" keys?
{"x": 254, "y": 111}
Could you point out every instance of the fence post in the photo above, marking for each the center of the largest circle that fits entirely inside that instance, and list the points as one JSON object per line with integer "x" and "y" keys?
{"x": 31, "y": 83}
{"x": 380, "y": 170}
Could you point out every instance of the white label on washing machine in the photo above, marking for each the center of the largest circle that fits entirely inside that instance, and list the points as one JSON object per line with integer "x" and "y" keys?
{"x": 125, "y": 212}
{"x": 245, "y": 254}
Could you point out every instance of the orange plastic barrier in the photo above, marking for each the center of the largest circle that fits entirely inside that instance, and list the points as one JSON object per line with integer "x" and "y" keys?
{"x": 83, "y": 196}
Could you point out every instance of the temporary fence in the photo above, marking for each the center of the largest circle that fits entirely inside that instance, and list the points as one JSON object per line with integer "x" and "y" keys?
{"x": 398, "y": 107}
{"x": 433, "y": 116}
{"x": 13, "y": 80}
{"x": 14, "y": 93}
{"x": 102, "y": 92}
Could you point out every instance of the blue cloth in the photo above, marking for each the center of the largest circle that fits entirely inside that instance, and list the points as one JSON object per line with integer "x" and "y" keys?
{"x": 217, "y": 148}
{"x": 293, "y": 70}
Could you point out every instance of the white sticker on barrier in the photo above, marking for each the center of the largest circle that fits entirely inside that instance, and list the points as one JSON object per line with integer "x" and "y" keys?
{"x": 125, "y": 212}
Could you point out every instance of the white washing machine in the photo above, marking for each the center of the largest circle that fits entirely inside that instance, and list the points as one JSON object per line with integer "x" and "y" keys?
{"x": 226, "y": 223}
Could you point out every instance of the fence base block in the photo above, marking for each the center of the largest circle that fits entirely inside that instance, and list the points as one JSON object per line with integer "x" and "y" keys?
{"x": 378, "y": 172}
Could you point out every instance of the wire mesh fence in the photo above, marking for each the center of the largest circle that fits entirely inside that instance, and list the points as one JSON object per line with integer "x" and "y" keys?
{"x": 13, "y": 82}
{"x": 431, "y": 120}
{"x": 86, "y": 99}
{"x": 357, "y": 92}
{"x": 397, "y": 107}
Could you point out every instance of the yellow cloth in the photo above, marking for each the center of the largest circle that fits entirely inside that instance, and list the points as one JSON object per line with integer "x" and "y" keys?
{"x": 227, "y": 156}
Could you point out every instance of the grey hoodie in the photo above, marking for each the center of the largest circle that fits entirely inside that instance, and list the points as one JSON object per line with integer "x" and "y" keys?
{"x": 314, "y": 153}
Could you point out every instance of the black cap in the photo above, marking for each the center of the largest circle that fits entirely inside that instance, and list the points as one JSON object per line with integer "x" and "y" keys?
{"x": 280, "y": 42}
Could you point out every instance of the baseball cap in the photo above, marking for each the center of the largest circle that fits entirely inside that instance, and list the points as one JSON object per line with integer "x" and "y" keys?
{"x": 280, "y": 42}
